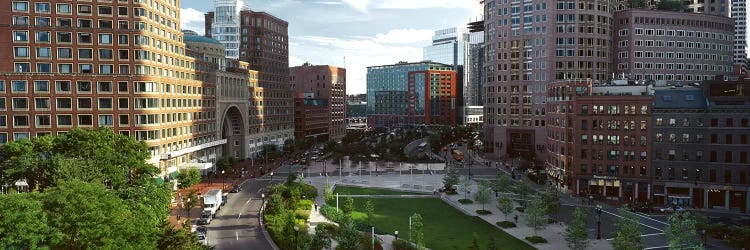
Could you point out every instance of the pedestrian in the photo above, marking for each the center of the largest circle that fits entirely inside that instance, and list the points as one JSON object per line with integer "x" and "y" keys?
{"x": 515, "y": 218}
{"x": 316, "y": 207}
{"x": 178, "y": 218}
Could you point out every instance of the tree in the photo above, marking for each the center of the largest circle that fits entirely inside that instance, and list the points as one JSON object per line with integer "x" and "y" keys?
{"x": 673, "y": 5}
{"x": 552, "y": 199}
{"x": 465, "y": 185}
{"x": 23, "y": 224}
{"x": 474, "y": 242}
{"x": 417, "y": 231}
{"x": 275, "y": 204}
{"x": 576, "y": 234}
{"x": 523, "y": 190}
{"x": 502, "y": 181}
{"x": 492, "y": 245}
{"x": 350, "y": 237}
{"x": 681, "y": 232}
{"x": 370, "y": 209}
{"x": 348, "y": 207}
{"x": 628, "y": 234}
{"x": 740, "y": 236}
{"x": 328, "y": 192}
{"x": 536, "y": 214}
{"x": 225, "y": 164}
{"x": 171, "y": 238}
{"x": 188, "y": 177}
{"x": 190, "y": 201}
{"x": 484, "y": 194}
{"x": 288, "y": 145}
{"x": 321, "y": 239}
{"x": 77, "y": 221}
{"x": 450, "y": 179}
{"x": 505, "y": 205}
{"x": 269, "y": 150}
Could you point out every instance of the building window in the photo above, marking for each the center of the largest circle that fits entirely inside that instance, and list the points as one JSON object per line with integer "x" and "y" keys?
{"x": 64, "y": 8}
{"x": 105, "y": 103}
{"x": 20, "y": 103}
{"x": 64, "y": 37}
{"x": 84, "y": 86}
{"x": 105, "y": 38}
{"x": 105, "y": 120}
{"x": 65, "y": 68}
{"x": 63, "y": 103}
{"x": 86, "y": 68}
{"x": 105, "y": 54}
{"x": 62, "y": 86}
{"x": 43, "y": 52}
{"x": 64, "y": 53}
{"x": 43, "y": 120}
{"x": 122, "y": 103}
{"x": 22, "y": 68}
{"x": 85, "y": 54}
{"x": 124, "y": 120}
{"x": 64, "y": 120}
{"x": 20, "y": 121}
{"x": 18, "y": 86}
{"x": 84, "y": 9}
{"x": 20, "y": 20}
{"x": 21, "y": 51}
{"x": 21, "y": 6}
{"x": 20, "y": 36}
{"x": 84, "y": 103}
{"x": 41, "y": 86}
{"x": 44, "y": 67}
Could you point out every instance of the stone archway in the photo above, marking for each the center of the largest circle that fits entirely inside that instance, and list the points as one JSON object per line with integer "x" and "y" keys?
{"x": 233, "y": 130}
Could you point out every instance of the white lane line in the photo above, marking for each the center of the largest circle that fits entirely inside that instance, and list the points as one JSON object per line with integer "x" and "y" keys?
{"x": 643, "y": 235}
{"x": 646, "y": 217}
{"x": 633, "y": 220}
{"x": 237, "y": 235}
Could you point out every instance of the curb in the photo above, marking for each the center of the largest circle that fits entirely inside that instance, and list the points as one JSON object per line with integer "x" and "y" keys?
{"x": 263, "y": 228}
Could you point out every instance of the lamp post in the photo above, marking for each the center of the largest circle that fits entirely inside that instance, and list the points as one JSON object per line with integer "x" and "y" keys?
{"x": 396, "y": 234}
{"x": 296, "y": 232}
{"x": 224, "y": 180}
{"x": 271, "y": 176}
{"x": 599, "y": 222}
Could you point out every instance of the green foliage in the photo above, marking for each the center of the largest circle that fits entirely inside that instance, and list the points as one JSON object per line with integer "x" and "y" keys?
{"x": 188, "y": 177}
{"x": 636, "y": 4}
{"x": 275, "y": 204}
{"x": 171, "y": 238}
{"x": 551, "y": 198}
{"x": 536, "y": 214}
{"x": 189, "y": 201}
{"x": 269, "y": 150}
{"x": 739, "y": 236}
{"x": 332, "y": 229}
{"x": 492, "y": 245}
{"x": 474, "y": 242}
{"x": 506, "y": 224}
{"x": 465, "y": 186}
{"x": 321, "y": 239}
{"x": 332, "y": 213}
{"x": 450, "y": 178}
{"x": 308, "y": 191}
{"x": 536, "y": 239}
{"x": 681, "y": 231}
{"x": 401, "y": 244}
{"x": 484, "y": 194}
{"x": 673, "y": 5}
{"x": 370, "y": 210}
{"x": 348, "y": 207}
{"x": 350, "y": 239}
{"x": 483, "y": 212}
{"x": 24, "y": 222}
{"x": 520, "y": 209}
{"x": 628, "y": 234}
{"x": 225, "y": 164}
{"x": 523, "y": 190}
{"x": 417, "y": 230}
{"x": 505, "y": 205}
{"x": 465, "y": 201}
{"x": 576, "y": 234}
{"x": 305, "y": 205}
{"x": 502, "y": 181}
{"x": 328, "y": 193}
{"x": 302, "y": 214}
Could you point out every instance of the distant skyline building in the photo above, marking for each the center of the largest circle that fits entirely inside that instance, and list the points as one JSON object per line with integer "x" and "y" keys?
{"x": 225, "y": 26}
{"x": 411, "y": 94}
{"x": 313, "y": 83}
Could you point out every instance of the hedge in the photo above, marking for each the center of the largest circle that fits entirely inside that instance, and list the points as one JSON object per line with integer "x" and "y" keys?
{"x": 506, "y": 224}
{"x": 401, "y": 244}
{"x": 302, "y": 214}
{"x": 536, "y": 239}
{"x": 465, "y": 201}
{"x": 483, "y": 212}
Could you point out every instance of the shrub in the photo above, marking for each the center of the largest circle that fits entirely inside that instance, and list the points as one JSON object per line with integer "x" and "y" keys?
{"x": 331, "y": 213}
{"x": 450, "y": 192}
{"x": 309, "y": 191}
{"x": 305, "y": 204}
{"x": 403, "y": 245}
{"x": 551, "y": 221}
{"x": 367, "y": 242}
{"x": 519, "y": 209}
{"x": 483, "y": 212}
{"x": 302, "y": 214}
{"x": 506, "y": 224}
{"x": 465, "y": 201}
{"x": 333, "y": 230}
{"x": 536, "y": 239}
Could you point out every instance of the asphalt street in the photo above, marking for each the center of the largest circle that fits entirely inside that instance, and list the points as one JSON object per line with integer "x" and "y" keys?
{"x": 236, "y": 225}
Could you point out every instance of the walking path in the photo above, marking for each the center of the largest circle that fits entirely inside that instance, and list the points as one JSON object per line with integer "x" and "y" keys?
{"x": 426, "y": 183}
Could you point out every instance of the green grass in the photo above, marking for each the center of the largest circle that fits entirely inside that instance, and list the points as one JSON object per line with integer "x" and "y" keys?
{"x": 444, "y": 226}
{"x": 371, "y": 191}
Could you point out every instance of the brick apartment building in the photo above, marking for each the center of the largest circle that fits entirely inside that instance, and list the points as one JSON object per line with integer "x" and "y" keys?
{"x": 321, "y": 82}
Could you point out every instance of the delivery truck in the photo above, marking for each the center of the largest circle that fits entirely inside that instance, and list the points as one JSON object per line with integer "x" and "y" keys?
{"x": 212, "y": 201}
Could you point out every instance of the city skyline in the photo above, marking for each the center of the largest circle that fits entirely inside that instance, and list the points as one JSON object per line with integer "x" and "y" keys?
{"x": 362, "y": 33}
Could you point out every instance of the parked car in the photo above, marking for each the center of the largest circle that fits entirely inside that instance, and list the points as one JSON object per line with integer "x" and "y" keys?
{"x": 671, "y": 209}
{"x": 641, "y": 207}
{"x": 206, "y": 218}
{"x": 202, "y": 239}
{"x": 201, "y": 230}
{"x": 235, "y": 189}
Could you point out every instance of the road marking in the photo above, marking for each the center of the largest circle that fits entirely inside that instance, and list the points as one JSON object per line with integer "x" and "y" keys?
{"x": 645, "y": 216}
{"x": 237, "y": 235}
{"x": 605, "y": 211}
{"x": 643, "y": 235}
{"x": 655, "y": 247}
{"x": 248, "y": 201}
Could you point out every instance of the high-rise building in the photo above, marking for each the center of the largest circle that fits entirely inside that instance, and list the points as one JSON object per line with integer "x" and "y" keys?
{"x": 534, "y": 43}
{"x": 225, "y": 26}
{"x": 701, "y": 145}
{"x": 741, "y": 45}
{"x": 599, "y": 138}
{"x": 327, "y": 83}
{"x": 106, "y": 64}
{"x": 411, "y": 94}
{"x": 672, "y": 46}
{"x": 264, "y": 44}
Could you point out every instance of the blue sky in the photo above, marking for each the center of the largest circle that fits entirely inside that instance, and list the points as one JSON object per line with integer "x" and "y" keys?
{"x": 366, "y": 32}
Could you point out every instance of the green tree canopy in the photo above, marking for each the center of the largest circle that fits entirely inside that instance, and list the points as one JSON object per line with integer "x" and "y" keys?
{"x": 682, "y": 233}
{"x": 536, "y": 214}
{"x": 505, "y": 205}
{"x": 188, "y": 177}
{"x": 576, "y": 234}
{"x": 628, "y": 234}
{"x": 23, "y": 223}
{"x": 502, "y": 181}
{"x": 417, "y": 228}
{"x": 484, "y": 194}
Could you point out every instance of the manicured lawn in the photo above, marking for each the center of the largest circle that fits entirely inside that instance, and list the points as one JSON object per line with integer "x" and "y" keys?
{"x": 444, "y": 226}
{"x": 370, "y": 191}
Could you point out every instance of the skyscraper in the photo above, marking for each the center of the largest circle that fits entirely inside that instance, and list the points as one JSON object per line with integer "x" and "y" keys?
{"x": 111, "y": 64}
{"x": 264, "y": 43}
{"x": 327, "y": 83}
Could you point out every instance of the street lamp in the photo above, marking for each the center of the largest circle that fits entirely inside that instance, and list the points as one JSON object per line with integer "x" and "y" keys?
{"x": 271, "y": 176}
{"x": 296, "y": 230}
{"x": 224, "y": 180}
{"x": 599, "y": 222}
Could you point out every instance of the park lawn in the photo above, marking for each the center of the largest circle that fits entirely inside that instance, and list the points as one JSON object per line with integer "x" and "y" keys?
{"x": 444, "y": 226}
{"x": 371, "y": 191}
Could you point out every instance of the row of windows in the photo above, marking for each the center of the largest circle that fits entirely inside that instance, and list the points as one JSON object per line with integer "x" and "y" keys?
{"x": 678, "y": 55}
{"x": 673, "y": 44}
{"x": 699, "y": 174}
{"x": 22, "y": 103}
{"x": 21, "y": 86}
{"x": 87, "y": 9}
{"x": 685, "y": 122}
{"x": 698, "y": 138}
{"x": 67, "y": 37}
{"x": 680, "y": 66}
{"x": 713, "y": 156}
{"x": 677, "y": 33}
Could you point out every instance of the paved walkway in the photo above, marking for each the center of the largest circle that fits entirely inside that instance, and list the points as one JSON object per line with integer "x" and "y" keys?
{"x": 426, "y": 183}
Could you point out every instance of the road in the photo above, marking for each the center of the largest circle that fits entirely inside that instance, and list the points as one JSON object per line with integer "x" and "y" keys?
{"x": 236, "y": 225}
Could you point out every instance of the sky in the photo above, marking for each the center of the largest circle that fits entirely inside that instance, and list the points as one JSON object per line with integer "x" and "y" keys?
{"x": 353, "y": 34}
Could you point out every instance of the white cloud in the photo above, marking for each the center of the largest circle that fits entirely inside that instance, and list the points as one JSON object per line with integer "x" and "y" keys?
{"x": 358, "y": 5}
{"x": 192, "y": 19}
{"x": 364, "y": 5}
{"x": 401, "y": 36}
{"x": 329, "y": 3}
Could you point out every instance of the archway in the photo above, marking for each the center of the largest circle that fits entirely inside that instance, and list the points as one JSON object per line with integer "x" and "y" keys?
{"x": 233, "y": 130}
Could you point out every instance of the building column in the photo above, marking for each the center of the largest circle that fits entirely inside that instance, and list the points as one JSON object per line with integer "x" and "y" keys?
{"x": 705, "y": 198}
{"x": 622, "y": 185}
{"x": 578, "y": 187}
{"x": 692, "y": 202}
{"x": 648, "y": 192}
{"x": 604, "y": 190}
{"x": 635, "y": 193}
{"x": 726, "y": 199}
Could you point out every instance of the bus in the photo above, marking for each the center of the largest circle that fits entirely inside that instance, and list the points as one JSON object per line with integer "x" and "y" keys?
{"x": 458, "y": 155}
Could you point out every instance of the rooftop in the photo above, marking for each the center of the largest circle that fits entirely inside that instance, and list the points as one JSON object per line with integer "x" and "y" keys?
{"x": 192, "y": 36}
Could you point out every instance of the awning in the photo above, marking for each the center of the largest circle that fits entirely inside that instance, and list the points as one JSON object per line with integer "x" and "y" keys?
{"x": 21, "y": 183}
{"x": 197, "y": 165}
